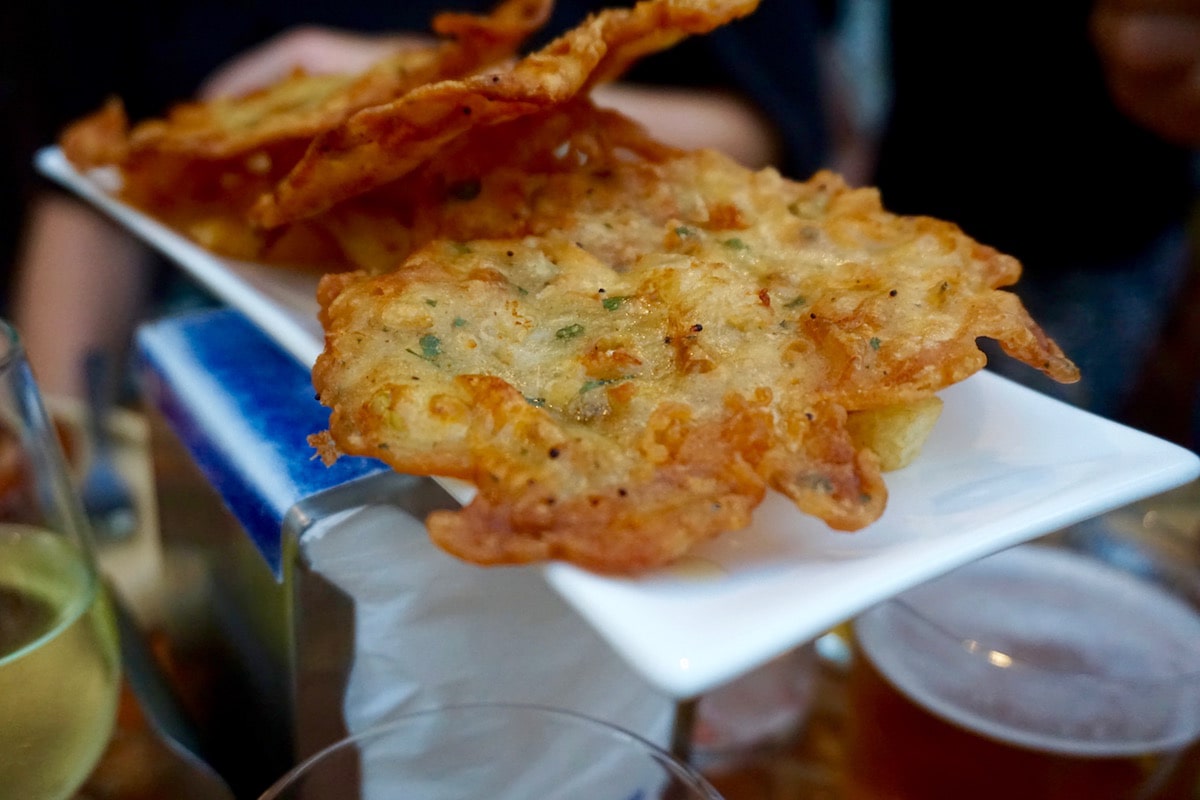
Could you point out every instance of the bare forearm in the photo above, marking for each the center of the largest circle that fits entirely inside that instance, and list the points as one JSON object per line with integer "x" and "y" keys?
{"x": 80, "y": 284}
{"x": 691, "y": 119}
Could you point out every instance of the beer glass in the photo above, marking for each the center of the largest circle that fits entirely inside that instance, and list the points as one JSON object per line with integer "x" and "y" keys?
{"x": 493, "y": 752}
{"x": 59, "y": 665}
{"x": 1050, "y": 670}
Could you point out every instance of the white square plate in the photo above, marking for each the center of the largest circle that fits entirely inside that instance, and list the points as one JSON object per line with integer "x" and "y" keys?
{"x": 1004, "y": 465}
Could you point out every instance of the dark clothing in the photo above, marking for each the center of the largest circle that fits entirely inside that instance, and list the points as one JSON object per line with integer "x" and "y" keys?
{"x": 1002, "y": 122}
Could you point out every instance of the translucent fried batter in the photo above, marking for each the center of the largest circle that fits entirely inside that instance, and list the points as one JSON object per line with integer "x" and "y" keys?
{"x": 487, "y": 184}
{"x": 383, "y": 142}
{"x": 623, "y": 346}
{"x": 303, "y": 105}
{"x": 99, "y": 139}
{"x": 203, "y": 166}
{"x": 624, "y": 350}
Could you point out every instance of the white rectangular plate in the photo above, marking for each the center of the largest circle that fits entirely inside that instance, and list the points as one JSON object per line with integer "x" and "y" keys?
{"x": 1004, "y": 465}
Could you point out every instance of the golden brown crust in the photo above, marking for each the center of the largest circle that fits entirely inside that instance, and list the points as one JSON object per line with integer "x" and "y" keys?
{"x": 622, "y": 346}
{"x": 99, "y": 139}
{"x": 202, "y": 167}
{"x": 660, "y": 340}
{"x": 384, "y": 142}
{"x": 303, "y": 106}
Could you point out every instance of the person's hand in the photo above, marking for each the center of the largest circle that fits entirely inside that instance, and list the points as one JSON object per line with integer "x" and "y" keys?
{"x": 1150, "y": 50}
{"x": 317, "y": 51}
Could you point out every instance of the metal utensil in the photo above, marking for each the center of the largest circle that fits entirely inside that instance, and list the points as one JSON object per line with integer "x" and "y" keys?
{"x": 107, "y": 498}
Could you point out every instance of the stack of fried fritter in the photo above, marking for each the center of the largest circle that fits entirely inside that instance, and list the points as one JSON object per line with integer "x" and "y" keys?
{"x": 621, "y": 345}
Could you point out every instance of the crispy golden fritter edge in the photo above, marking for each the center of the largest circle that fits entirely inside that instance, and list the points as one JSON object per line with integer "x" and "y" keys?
{"x": 553, "y": 484}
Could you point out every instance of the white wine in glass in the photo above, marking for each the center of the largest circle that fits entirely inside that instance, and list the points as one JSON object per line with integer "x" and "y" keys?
{"x": 59, "y": 663}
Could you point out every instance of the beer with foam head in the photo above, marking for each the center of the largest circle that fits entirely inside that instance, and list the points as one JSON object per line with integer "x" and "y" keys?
{"x": 1035, "y": 673}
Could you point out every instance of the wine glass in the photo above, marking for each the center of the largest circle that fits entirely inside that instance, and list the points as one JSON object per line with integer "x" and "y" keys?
{"x": 497, "y": 752}
{"x": 59, "y": 663}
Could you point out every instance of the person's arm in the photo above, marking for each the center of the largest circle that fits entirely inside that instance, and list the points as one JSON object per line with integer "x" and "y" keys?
{"x": 1150, "y": 50}
{"x": 80, "y": 285}
{"x": 693, "y": 119}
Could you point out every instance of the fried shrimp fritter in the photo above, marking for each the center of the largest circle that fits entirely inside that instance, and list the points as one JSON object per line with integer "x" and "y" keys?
{"x": 621, "y": 345}
{"x": 206, "y": 163}
{"x": 658, "y": 339}
{"x": 302, "y": 105}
